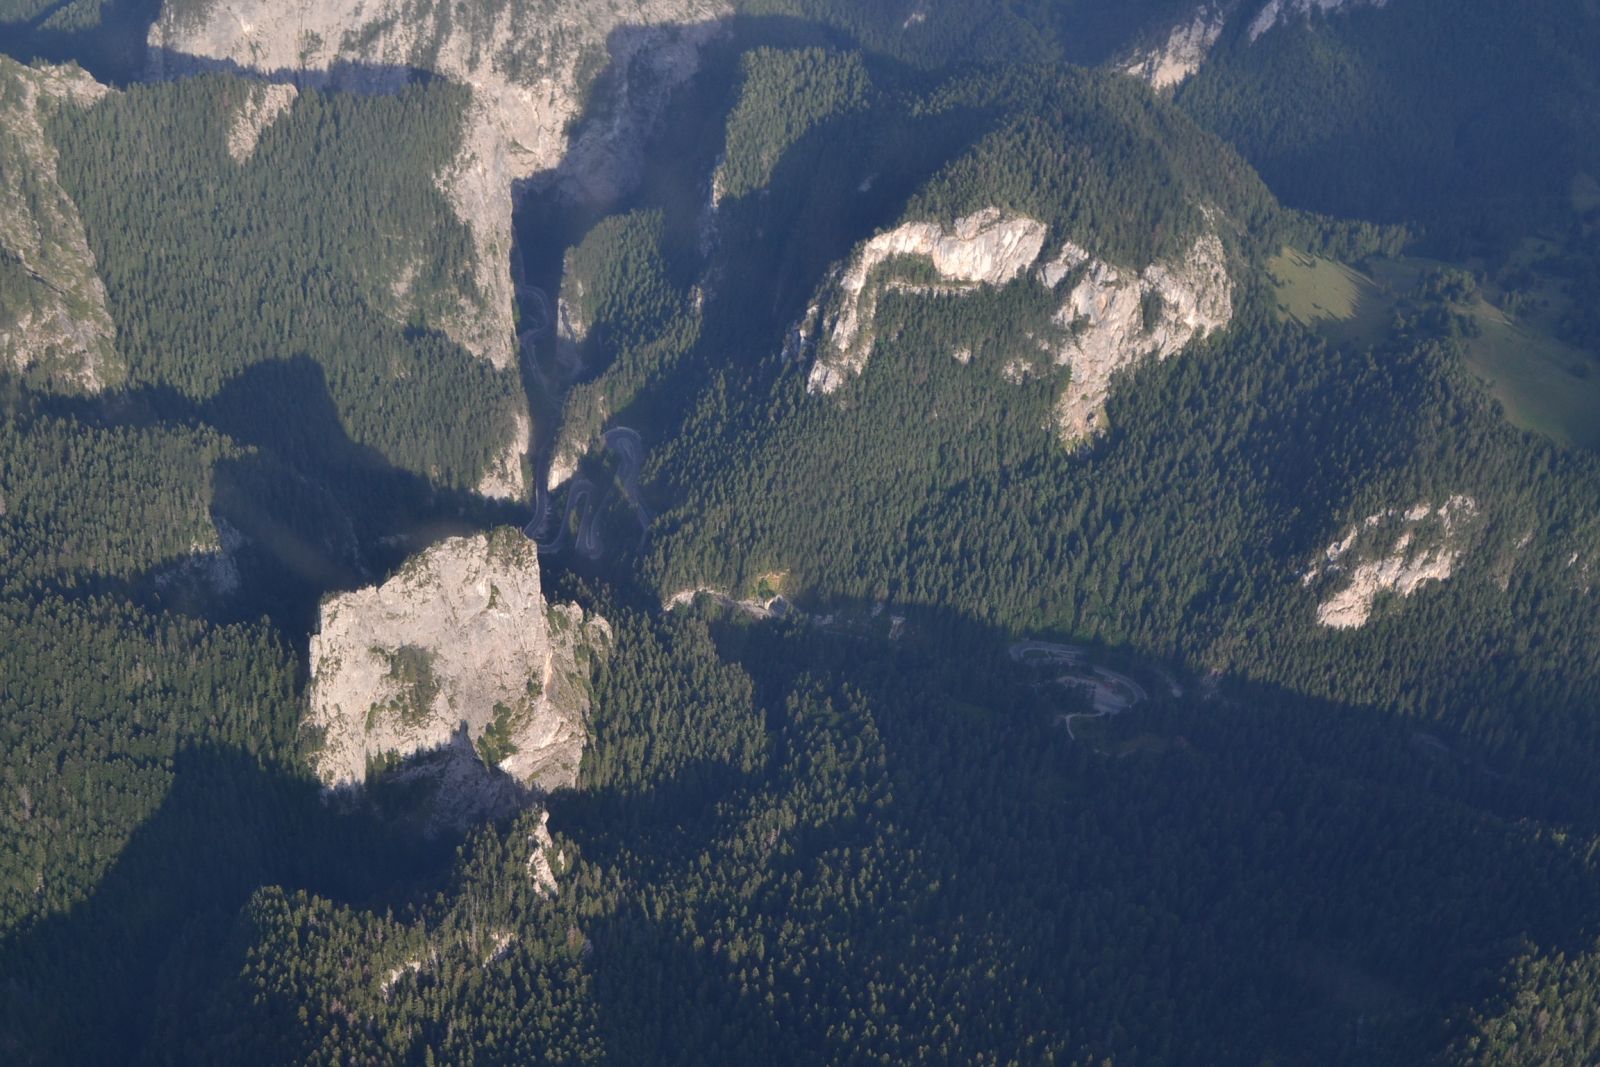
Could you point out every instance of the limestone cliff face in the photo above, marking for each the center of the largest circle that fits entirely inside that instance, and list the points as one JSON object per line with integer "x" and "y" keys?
{"x": 456, "y": 659}
{"x": 1169, "y": 63}
{"x": 526, "y": 63}
{"x": 53, "y": 315}
{"x": 531, "y": 66}
{"x": 1110, "y": 317}
{"x": 1391, "y": 551}
{"x": 1277, "y": 12}
{"x": 1117, "y": 318}
{"x": 506, "y": 478}
{"x": 984, "y": 248}
{"x": 1166, "y": 61}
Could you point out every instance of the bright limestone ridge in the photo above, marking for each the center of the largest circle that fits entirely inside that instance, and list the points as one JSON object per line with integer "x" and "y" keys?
{"x": 456, "y": 654}
{"x": 1105, "y": 314}
{"x": 984, "y": 248}
{"x": 1114, "y": 317}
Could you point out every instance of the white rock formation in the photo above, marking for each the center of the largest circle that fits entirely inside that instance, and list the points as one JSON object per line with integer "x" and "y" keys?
{"x": 506, "y": 478}
{"x": 984, "y": 248}
{"x": 1186, "y": 47}
{"x": 1111, "y": 318}
{"x": 52, "y": 304}
{"x": 1116, "y": 318}
{"x": 456, "y": 654}
{"x": 1389, "y": 552}
{"x": 260, "y": 110}
{"x": 1279, "y": 11}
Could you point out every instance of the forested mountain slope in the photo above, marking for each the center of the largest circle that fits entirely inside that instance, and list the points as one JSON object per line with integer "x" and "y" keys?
{"x": 799, "y": 531}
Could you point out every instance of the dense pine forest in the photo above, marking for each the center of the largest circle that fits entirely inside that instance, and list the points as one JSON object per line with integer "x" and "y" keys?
{"x": 922, "y": 731}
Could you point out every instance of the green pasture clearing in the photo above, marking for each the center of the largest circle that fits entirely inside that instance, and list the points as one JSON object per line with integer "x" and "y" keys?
{"x": 1543, "y": 384}
{"x": 1326, "y": 295}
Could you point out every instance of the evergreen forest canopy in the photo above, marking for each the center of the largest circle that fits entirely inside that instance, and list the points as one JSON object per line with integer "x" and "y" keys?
{"x": 864, "y": 821}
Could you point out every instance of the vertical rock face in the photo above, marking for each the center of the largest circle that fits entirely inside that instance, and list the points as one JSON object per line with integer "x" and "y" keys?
{"x": 1389, "y": 552}
{"x": 1186, "y": 47}
{"x": 1116, "y": 318}
{"x": 506, "y": 478}
{"x": 528, "y": 64}
{"x": 456, "y": 658}
{"x": 1110, "y": 317}
{"x": 53, "y": 315}
{"x": 984, "y": 248}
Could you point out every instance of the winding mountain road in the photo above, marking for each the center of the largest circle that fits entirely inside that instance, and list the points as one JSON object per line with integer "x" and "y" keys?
{"x": 1112, "y": 693}
{"x": 629, "y": 449}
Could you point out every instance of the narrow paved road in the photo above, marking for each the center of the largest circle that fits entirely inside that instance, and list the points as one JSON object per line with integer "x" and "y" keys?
{"x": 581, "y": 493}
{"x": 1112, "y": 693}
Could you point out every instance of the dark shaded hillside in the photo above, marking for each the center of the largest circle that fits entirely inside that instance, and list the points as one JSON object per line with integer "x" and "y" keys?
{"x": 1472, "y": 119}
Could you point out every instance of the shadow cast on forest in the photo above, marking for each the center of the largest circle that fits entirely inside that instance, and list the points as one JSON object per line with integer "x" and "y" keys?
{"x": 317, "y": 511}
{"x": 147, "y": 947}
{"x": 113, "y": 50}
{"x": 1209, "y": 810}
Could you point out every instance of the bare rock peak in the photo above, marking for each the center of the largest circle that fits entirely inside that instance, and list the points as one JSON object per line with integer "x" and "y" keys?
{"x": 458, "y": 660}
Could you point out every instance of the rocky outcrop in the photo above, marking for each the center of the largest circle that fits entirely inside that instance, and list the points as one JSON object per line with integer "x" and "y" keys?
{"x": 984, "y": 248}
{"x": 455, "y": 665}
{"x": 1115, "y": 318}
{"x": 544, "y": 858}
{"x": 53, "y": 315}
{"x": 1110, "y": 317}
{"x": 1277, "y": 12}
{"x": 1389, "y": 552}
{"x": 259, "y": 110}
{"x": 1168, "y": 64}
{"x": 506, "y": 478}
